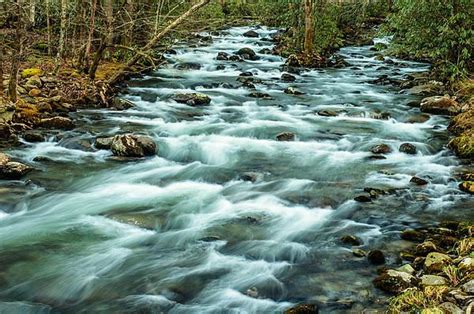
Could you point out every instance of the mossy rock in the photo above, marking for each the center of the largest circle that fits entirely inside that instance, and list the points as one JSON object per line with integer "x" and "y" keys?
{"x": 26, "y": 73}
{"x": 463, "y": 145}
{"x": 462, "y": 122}
{"x": 467, "y": 186}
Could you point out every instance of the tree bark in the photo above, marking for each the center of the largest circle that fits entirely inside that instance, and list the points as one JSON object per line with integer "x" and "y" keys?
{"x": 62, "y": 34}
{"x": 308, "y": 27}
{"x": 152, "y": 43}
{"x": 13, "y": 83}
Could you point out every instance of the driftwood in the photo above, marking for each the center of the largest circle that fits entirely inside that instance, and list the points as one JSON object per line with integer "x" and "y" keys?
{"x": 153, "y": 42}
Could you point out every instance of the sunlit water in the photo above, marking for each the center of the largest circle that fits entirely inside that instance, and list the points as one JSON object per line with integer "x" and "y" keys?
{"x": 182, "y": 233}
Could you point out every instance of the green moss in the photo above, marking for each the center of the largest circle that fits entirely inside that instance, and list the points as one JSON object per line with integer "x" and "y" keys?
{"x": 31, "y": 72}
{"x": 463, "y": 145}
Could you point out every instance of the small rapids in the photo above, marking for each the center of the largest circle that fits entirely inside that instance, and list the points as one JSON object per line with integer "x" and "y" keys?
{"x": 184, "y": 232}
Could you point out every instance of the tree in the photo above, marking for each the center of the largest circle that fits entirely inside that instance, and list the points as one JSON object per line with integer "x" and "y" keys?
{"x": 308, "y": 27}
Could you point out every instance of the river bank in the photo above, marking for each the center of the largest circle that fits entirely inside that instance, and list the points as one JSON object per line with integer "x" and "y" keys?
{"x": 260, "y": 175}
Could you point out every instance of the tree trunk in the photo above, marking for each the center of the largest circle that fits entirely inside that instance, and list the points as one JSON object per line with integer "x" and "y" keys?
{"x": 48, "y": 26}
{"x": 32, "y": 15}
{"x": 152, "y": 43}
{"x": 62, "y": 34}
{"x": 12, "y": 84}
{"x": 308, "y": 27}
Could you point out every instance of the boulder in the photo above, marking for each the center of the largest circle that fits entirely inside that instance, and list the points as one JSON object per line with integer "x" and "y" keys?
{"x": 467, "y": 264}
{"x": 467, "y": 186}
{"x": 359, "y": 253}
{"x": 468, "y": 287}
{"x": 381, "y": 149}
{"x": 57, "y": 123}
{"x": 247, "y": 54}
{"x": 418, "y": 181}
{"x": 34, "y": 92}
{"x": 192, "y": 99}
{"x": 363, "y": 199}
{"x": 394, "y": 281}
{"x": 286, "y": 77}
{"x": 351, "y": 240}
{"x": 407, "y": 268}
{"x": 376, "y": 257}
{"x": 285, "y": 137}
{"x": 252, "y": 34}
{"x": 130, "y": 145}
{"x": 33, "y": 137}
{"x": 222, "y": 56}
{"x": 327, "y": 113}
{"x": 35, "y": 81}
{"x": 451, "y": 308}
{"x": 260, "y": 95}
{"x": 435, "y": 262}
{"x": 4, "y": 158}
{"x": 413, "y": 235}
{"x": 425, "y": 248}
{"x": 235, "y": 58}
{"x": 12, "y": 170}
{"x": 249, "y": 176}
{"x": 303, "y": 309}
{"x": 122, "y": 104}
{"x": 462, "y": 122}
{"x": 103, "y": 142}
{"x": 440, "y": 105}
{"x": 292, "y": 91}
{"x": 408, "y": 148}
{"x": 432, "y": 280}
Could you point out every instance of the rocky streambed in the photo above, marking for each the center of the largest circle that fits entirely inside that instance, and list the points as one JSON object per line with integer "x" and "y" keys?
{"x": 231, "y": 181}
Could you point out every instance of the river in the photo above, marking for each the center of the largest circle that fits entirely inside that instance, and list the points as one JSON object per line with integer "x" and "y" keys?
{"x": 186, "y": 231}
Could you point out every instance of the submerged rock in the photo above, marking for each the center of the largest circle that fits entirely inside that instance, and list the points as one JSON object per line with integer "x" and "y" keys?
{"x": 351, "y": 240}
{"x": 359, "y": 253}
{"x": 222, "y": 56}
{"x": 285, "y": 137}
{"x": 327, "y": 113}
{"x": 192, "y": 99}
{"x": 413, "y": 235}
{"x": 260, "y": 95}
{"x": 376, "y": 257}
{"x": 130, "y": 145}
{"x": 292, "y": 91}
{"x": 408, "y": 148}
{"x": 363, "y": 199}
{"x": 189, "y": 66}
{"x": 286, "y": 77}
{"x": 440, "y": 105}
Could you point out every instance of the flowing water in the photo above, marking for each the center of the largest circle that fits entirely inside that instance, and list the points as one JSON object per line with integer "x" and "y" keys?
{"x": 181, "y": 232}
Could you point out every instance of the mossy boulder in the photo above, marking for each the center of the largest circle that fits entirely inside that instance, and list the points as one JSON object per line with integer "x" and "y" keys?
{"x": 435, "y": 262}
{"x": 467, "y": 186}
{"x": 26, "y": 73}
{"x": 130, "y": 145}
{"x": 432, "y": 280}
{"x": 463, "y": 145}
{"x": 444, "y": 105}
{"x": 462, "y": 122}
{"x": 394, "y": 281}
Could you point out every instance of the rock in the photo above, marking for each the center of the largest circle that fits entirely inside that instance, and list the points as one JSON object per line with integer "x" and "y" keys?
{"x": 451, "y": 308}
{"x": 149, "y": 97}
{"x": 463, "y": 145}
{"x": 122, "y": 104}
{"x": 103, "y": 142}
{"x": 394, "y": 281}
{"x": 26, "y": 73}
{"x": 381, "y": 149}
{"x": 351, "y": 240}
{"x": 381, "y": 116}
{"x": 467, "y": 186}
{"x": 359, "y": 253}
{"x": 5, "y": 131}
{"x": 440, "y": 105}
{"x": 34, "y": 92}
{"x": 376, "y": 257}
{"x": 12, "y": 170}
{"x": 363, "y": 199}
{"x": 432, "y": 280}
{"x": 379, "y": 58}
{"x": 292, "y": 91}
{"x": 327, "y": 113}
{"x": 260, "y": 95}
{"x": 4, "y": 158}
{"x": 188, "y": 66}
{"x": 192, "y": 99}
{"x": 235, "y": 58}
{"x": 252, "y": 292}
{"x": 265, "y": 51}
{"x": 374, "y": 193}
{"x": 246, "y": 74}
{"x": 425, "y": 248}
{"x": 413, "y": 235}
{"x": 407, "y": 268}
{"x": 303, "y": 309}
{"x": 285, "y": 137}
{"x": 222, "y": 56}
{"x": 252, "y": 34}
{"x": 249, "y": 176}
{"x": 408, "y": 148}
{"x": 425, "y": 89}
{"x": 57, "y": 123}
{"x": 466, "y": 264}
{"x": 468, "y": 287}
{"x": 293, "y": 61}
{"x": 130, "y": 145}
{"x": 286, "y": 77}
{"x": 33, "y": 137}
{"x": 220, "y": 67}
{"x": 35, "y": 81}
{"x": 435, "y": 262}
{"x": 418, "y": 181}
{"x": 247, "y": 54}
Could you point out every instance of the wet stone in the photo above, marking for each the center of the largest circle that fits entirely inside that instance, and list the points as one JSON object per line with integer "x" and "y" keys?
{"x": 376, "y": 257}
{"x": 381, "y": 149}
{"x": 285, "y": 137}
{"x": 408, "y": 148}
{"x": 418, "y": 181}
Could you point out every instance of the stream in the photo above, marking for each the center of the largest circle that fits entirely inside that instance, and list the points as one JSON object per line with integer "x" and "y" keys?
{"x": 225, "y": 218}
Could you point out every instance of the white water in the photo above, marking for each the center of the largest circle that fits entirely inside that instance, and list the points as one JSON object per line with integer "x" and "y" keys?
{"x": 182, "y": 233}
